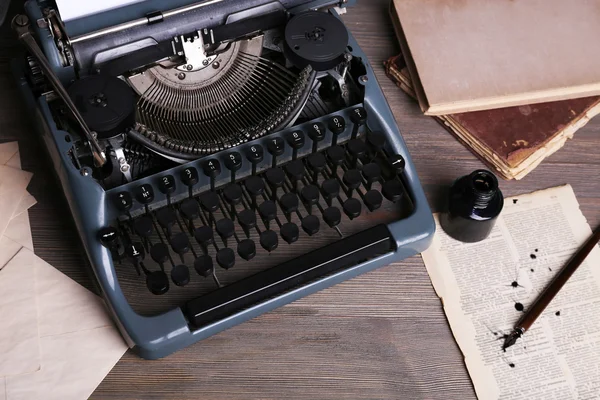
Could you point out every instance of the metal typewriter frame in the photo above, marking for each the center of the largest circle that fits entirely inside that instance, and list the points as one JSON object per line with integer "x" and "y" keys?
{"x": 158, "y": 336}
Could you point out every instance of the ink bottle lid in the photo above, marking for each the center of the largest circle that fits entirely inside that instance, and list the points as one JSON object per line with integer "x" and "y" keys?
{"x": 474, "y": 203}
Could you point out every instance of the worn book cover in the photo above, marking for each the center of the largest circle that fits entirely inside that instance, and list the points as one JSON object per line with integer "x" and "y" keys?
{"x": 512, "y": 140}
{"x": 474, "y": 55}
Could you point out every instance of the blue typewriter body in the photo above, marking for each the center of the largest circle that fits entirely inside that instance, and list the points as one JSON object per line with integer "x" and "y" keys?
{"x": 117, "y": 198}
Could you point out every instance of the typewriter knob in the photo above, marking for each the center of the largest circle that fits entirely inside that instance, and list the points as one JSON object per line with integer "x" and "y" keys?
{"x": 247, "y": 220}
{"x": 124, "y": 201}
{"x": 167, "y": 184}
{"x": 166, "y": 218}
{"x": 143, "y": 226}
{"x": 255, "y": 154}
{"x": 233, "y": 194}
{"x": 330, "y": 190}
{"x": 310, "y": 195}
{"x": 255, "y": 186}
{"x": 136, "y": 252}
{"x": 336, "y": 155}
{"x": 268, "y": 210}
{"x": 180, "y": 243}
{"x": 145, "y": 194}
{"x": 212, "y": 168}
{"x": 210, "y": 202}
{"x": 225, "y": 228}
{"x": 189, "y": 208}
{"x": 352, "y": 179}
{"x": 357, "y": 149}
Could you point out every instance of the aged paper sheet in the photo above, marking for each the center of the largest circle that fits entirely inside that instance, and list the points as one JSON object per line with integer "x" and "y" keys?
{"x": 19, "y": 338}
{"x": 485, "y": 287}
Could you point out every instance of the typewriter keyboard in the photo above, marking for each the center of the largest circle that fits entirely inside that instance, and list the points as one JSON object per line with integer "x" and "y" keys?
{"x": 279, "y": 196}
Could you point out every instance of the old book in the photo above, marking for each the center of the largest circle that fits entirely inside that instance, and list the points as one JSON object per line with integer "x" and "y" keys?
{"x": 512, "y": 140}
{"x": 484, "y": 286}
{"x": 473, "y": 55}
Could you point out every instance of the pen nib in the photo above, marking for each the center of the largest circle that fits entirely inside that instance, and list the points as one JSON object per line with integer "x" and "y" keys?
{"x": 511, "y": 338}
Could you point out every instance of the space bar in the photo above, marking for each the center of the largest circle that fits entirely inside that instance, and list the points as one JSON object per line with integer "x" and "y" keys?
{"x": 242, "y": 294}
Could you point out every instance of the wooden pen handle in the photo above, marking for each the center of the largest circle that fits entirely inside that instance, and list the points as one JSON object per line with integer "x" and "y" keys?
{"x": 558, "y": 282}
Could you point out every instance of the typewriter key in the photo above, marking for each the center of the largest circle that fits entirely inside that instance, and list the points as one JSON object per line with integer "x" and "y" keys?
{"x": 166, "y": 218}
{"x": 136, "y": 253}
{"x": 180, "y": 244}
{"x": 316, "y": 132}
{"x": 268, "y": 212}
{"x": 269, "y": 241}
{"x": 144, "y": 194}
{"x": 392, "y": 190}
{"x": 233, "y": 162}
{"x": 357, "y": 150}
{"x": 358, "y": 118}
{"x": 180, "y": 275}
{"x": 372, "y": 173}
{"x": 225, "y": 228}
{"x": 247, "y": 220}
{"x": 276, "y": 147}
{"x": 352, "y": 208}
{"x": 143, "y": 226}
{"x": 124, "y": 201}
{"x": 330, "y": 190}
{"x": 337, "y": 125}
{"x": 203, "y": 265}
{"x": 398, "y": 164}
{"x": 295, "y": 172}
{"x": 247, "y": 249}
{"x": 290, "y": 232}
{"x": 204, "y": 236}
{"x": 255, "y": 154}
{"x": 373, "y": 200}
{"x": 332, "y": 216}
{"x": 109, "y": 237}
{"x": 311, "y": 225}
{"x": 226, "y": 258}
{"x": 212, "y": 169}
{"x": 167, "y": 185}
{"x": 289, "y": 204}
{"x": 296, "y": 141}
{"x": 159, "y": 253}
{"x": 157, "y": 282}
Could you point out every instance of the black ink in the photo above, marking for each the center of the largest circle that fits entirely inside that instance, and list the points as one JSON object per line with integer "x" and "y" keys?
{"x": 511, "y": 365}
{"x": 549, "y": 269}
{"x": 519, "y": 306}
{"x": 515, "y": 284}
{"x": 515, "y": 201}
{"x": 495, "y": 333}
{"x": 557, "y": 313}
{"x": 533, "y": 256}
{"x": 536, "y": 250}
{"x": 532, "y": 270}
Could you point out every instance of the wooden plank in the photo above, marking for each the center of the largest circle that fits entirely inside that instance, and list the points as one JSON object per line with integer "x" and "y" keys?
{"x": 381, "y": 335}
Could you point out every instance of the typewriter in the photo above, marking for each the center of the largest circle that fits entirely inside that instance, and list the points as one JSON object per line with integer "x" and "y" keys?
{"x": 200, "y": 143}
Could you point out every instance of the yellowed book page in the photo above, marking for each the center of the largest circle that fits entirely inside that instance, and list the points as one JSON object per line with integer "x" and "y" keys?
{"x": 485, "y": 288}
{"x": 19, "y": 343}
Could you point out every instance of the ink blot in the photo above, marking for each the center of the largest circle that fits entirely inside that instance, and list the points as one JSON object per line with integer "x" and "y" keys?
{"x": 557, "y": 313}
{"x": 549, "y": 269}
{"x": 536, "y": 250}
{"x": 515, "y": 284}
{"x": 515, "y": 201}
{"x": 511, "y": 365}
{"x": 495, "y": 333}
{"x": 519, "y": 306}
{"x": 532, "y": 270}
{"x": 533, "y": 256}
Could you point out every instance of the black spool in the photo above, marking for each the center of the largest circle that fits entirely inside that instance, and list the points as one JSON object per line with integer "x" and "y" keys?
{"x": 317, "y": 39}
{"x": 107, "y": 104}
{"x": 474, "y": 203}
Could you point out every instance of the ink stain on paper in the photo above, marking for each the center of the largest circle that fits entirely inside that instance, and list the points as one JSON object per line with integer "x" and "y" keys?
{"x": 549, "y": 269}
{"x": 533, "y": 256}
{"x": 557, "y": 313}
{"x": 536, "y": 250}
{"x": 512, "y": 365}
{"x": 515, "y": 201}
{"x": 519, "y": 306}
{"x": 515, "y": 284}
{"x": 532, "y": 270}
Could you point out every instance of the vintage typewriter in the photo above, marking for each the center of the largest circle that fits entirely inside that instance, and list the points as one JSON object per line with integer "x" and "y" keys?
{"x": 199, "y": 143}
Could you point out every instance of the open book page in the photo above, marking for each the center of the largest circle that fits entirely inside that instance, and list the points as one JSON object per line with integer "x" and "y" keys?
{"x": 485, "y": 287}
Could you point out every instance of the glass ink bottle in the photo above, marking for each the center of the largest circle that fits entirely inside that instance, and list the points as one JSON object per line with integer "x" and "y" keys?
{"x": 474, "y": 203}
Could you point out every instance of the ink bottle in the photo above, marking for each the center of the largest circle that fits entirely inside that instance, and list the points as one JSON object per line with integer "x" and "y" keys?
{"x": 474, "y": 203}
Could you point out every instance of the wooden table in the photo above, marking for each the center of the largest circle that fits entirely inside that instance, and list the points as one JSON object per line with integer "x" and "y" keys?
{"x": 382, "y": 335}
